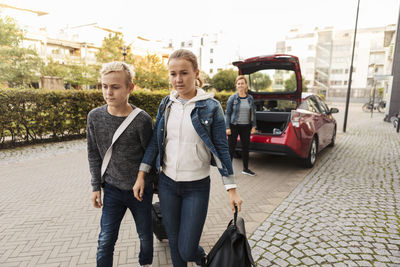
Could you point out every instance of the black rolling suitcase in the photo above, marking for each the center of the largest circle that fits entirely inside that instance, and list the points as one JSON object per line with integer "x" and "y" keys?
{"x": 158, "y": 227}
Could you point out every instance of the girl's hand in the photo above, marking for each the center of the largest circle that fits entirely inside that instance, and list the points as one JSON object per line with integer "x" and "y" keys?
{"x": 253, "y": 130}
{"x": 234, "y": 199}
{"x": 228, "y": 131}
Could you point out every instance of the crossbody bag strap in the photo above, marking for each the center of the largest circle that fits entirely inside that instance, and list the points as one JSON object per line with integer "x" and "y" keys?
{"x": 116, "y": 135}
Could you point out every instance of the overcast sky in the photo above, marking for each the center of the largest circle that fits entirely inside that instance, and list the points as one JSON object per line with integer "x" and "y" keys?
{"x": 251, "y": 24}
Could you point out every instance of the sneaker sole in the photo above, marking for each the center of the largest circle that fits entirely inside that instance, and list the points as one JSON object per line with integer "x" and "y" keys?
{"x": 248, "y": 174}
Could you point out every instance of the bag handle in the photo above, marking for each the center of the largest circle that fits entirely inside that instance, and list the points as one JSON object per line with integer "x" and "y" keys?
{"x": 235, "y": 215}
{"x": 116, "y": 135}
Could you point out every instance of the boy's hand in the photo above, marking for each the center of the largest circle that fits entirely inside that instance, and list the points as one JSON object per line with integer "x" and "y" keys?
{"x": 96, "y": 199}
{"x": 228, "y": 131}
{"x": 138, "y": 188}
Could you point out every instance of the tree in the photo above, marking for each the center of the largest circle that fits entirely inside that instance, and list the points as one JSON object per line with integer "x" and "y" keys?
{"x": 75, "y": 75}
{"x": 291, "y": 83}
{"x": 112, "y": 49}
{"x": 19, "y": 66}
{"x": 79, "y": 75}
{"x": 151, "y": 73}
{"x": 54, "y": 69}
{"x": 205, "y": 79}
{"x": 10, "y": 35}
{"x": 224, "y": 80}
{"x": 260, "y": 81}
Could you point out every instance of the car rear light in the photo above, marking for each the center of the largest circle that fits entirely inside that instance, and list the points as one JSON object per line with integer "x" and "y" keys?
{"x": 295, "y": 118}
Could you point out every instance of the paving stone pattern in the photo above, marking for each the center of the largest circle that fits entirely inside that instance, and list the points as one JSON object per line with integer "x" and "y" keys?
{"x": 46, "y": 218}
{"x": 346, "y": 212}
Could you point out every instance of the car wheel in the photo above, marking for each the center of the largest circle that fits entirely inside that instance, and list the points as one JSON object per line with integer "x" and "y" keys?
{"x": 332, "y": 143}
{"x": 312, "y": 154}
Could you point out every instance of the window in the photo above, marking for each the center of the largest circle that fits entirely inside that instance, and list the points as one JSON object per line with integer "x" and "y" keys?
{"x": 324, "y": 108}
{"x": 335, "y": 82}
{"x": 313, "y": 106}
{"x": 310, "y": 47}
{"x": 182, "y": 44}
{"x": 289, "y": 48}
{"x": 211, "y": 71}
{"x": 337, "y": 71}
{"x": 211, "y": 61}
{"x": 211, "y": 50}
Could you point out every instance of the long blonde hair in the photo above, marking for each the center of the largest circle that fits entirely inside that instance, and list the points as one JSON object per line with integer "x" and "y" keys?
{"x": 189, "y": 56}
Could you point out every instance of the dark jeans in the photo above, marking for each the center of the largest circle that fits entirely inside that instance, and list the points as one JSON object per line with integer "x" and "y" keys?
{"x": 184, "y": 208}
{"x": 244, "y": 132}
{"x": 115, "y": 203}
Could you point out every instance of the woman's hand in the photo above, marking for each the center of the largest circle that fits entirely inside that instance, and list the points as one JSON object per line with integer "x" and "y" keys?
{"x": 138, "y": 188}
{"x": 253, "y": 130}
{"x": 234, "y": 199}
{"x": 228, "y": 131}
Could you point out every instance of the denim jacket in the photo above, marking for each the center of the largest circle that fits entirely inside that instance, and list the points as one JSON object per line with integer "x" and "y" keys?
{"x": 232, "y": 110}
{"x": 208, "y": 120}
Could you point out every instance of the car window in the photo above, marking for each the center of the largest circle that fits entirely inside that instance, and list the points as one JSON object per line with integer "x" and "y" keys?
{"x": 275, "y": 105}
{"x": 304, "y": 105}
{"x": 322, "y": 105}
{"x": 272, "y": 81}
{"x": 313, "y": 105}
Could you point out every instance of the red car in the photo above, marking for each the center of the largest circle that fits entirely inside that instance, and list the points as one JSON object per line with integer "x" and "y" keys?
{"x": 289, "y": 122}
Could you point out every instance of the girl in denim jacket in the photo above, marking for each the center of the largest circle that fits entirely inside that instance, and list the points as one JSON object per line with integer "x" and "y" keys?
{"x": 188, "y": 137}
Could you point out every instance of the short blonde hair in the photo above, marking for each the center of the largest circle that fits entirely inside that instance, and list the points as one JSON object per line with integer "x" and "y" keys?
{"x": 118, "y": 66}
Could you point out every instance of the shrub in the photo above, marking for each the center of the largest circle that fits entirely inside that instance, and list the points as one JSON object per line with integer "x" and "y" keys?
{"x": 29, "y": 115}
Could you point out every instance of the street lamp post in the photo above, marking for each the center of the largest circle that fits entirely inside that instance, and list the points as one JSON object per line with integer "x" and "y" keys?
{"x": 351, "y": 72}
{"x": 124, "y": 52}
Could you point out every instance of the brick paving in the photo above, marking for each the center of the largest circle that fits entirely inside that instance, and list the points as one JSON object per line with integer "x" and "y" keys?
{"x": 345, "y": 211}
{"x": 46, "y": 218}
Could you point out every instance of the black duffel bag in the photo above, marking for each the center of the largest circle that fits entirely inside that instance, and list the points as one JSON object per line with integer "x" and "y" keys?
{"x": 232, "y": 248}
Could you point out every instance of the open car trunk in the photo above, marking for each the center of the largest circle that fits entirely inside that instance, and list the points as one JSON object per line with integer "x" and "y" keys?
{"x": 269, "y": 122}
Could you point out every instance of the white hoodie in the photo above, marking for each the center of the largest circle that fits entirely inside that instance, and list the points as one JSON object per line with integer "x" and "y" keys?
{"x": 186, "y": 156}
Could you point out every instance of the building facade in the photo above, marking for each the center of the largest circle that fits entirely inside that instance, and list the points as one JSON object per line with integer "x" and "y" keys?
{"x": 325, "y": 58}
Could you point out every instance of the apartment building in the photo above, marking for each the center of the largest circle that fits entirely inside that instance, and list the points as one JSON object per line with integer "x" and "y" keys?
{"x": 213, "y": 50}
{"x": 325, "y": 58}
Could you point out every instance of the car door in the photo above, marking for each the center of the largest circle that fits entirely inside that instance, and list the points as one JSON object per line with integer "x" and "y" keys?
{"x": 318, "y": 122}
{"x": 328, "y": 126}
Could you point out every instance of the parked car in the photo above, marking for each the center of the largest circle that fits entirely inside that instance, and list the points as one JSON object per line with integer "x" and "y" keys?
{"x": 289, "y": 122}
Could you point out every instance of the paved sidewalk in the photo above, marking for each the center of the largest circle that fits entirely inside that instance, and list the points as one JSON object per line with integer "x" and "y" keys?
{"x": 346, "y": 212}
{"x": 46, "y": 218}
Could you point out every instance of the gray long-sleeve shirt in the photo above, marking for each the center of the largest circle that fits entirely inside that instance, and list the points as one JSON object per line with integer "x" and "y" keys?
{"x": 127, "y": 151}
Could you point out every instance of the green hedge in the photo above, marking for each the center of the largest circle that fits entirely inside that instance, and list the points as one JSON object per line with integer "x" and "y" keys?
{"x": 29, "y": 115}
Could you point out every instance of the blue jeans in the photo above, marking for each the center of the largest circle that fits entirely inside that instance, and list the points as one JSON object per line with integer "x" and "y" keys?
{"x": 115, "y": 203}
{"x": 184, "y": 208}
